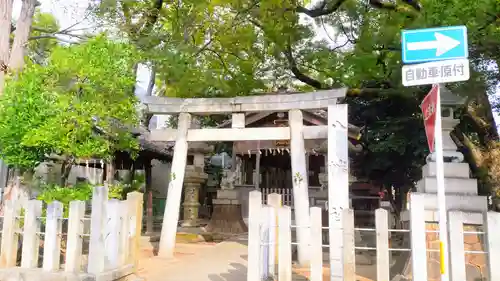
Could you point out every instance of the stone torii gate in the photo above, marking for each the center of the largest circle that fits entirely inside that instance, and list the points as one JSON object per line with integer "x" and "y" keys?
{"x": 296, "y": 132}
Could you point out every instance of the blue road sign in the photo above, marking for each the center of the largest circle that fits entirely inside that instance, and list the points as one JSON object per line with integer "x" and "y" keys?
{"x": 434, "y": 44}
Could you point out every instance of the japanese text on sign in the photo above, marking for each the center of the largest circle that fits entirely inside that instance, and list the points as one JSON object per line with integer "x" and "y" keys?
{"x": 436, "y": 72}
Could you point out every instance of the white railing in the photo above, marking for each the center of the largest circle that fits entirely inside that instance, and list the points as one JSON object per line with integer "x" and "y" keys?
{"x": 113, "y": 239}
{"x": 270, "y": 243}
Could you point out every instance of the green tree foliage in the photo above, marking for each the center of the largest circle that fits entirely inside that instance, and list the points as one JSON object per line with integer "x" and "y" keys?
{"x": 230, "y": 48}
{"x": 80, "y": 192}
{"x": 239, "y": 47}
{"x": 394, "y": 134}
{"x": 79, "y": 105}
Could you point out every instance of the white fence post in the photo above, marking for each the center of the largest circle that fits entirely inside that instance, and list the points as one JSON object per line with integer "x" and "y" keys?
{"x": 316, "y": 244}
{"x": 273, "y": 200}
{"x": 457, "y": 251}
{"x": 10, "y": 237}
{"x": 135, "y": 202}
{"x": 264, "y": 242}
{"x": 349, "y": 253}
{"x": 254, "y": 212}
{"x": 97, "y": 222}
{"x": 418, "y": 237}
{"x": 75, "y": 232}
{"x": 285, "y": 244}
{"x": 31, "y": 238}
{"x": 52, "y": 241}
{"x": 124, "y": 233}
{"x": 383, "y": 254}
{"x": 493, "y": 242}
{"x": 112, "y": 239}
{"x": 272, "y": 241}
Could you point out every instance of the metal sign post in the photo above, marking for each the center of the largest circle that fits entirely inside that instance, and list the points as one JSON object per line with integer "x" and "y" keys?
{"x": 431, "y": 109}
{"x": 443, "y": 230}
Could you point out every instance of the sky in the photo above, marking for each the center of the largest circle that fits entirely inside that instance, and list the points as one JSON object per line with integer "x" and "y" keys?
{"x": 67, "y": 12}
{"x": 70, "y": 12}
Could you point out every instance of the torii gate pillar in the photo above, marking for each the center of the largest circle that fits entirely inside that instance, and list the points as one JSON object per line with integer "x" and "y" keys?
{"x": 300, "y": 185}
{"x": 171, "y": 216}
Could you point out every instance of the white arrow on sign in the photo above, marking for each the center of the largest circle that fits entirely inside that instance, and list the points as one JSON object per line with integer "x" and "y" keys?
{"x": 442, "y": 44}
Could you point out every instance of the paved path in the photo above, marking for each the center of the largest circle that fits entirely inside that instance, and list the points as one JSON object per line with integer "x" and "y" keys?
{"x": 225, "y": 261}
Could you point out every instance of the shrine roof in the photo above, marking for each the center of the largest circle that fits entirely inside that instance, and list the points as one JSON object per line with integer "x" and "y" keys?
{"x": 156, "y": 150}
{"x": 315, "y": 117}
{"x": 449, "y": 98}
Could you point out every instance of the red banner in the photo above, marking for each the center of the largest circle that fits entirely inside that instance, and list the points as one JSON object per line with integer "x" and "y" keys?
{"x": 428, "y": 107}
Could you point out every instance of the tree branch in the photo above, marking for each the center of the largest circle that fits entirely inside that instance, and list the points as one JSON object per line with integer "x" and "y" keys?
{"x": 414, "y": 3}
{"x": 380, "y": 4}
{"x": 203, "y": 48}
{"x": 324, "y": 8}
{"x": 54, "y": 36}
{"x": 328, "y": 7}
{"x": 367, "y": 92}
{"x": 372, "y": 92}
{"x": 296, "y": 71}
{"x": 152, "y": 16}
{"x": 386, "y": 48}
{"x": 383, "y": 5}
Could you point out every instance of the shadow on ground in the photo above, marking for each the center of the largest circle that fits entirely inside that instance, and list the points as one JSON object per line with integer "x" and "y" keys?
{"x": 237, "y": 272}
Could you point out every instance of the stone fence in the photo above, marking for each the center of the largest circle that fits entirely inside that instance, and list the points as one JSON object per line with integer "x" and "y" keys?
{"x": 51, "y": 247}
{"x": 270, "y": 245}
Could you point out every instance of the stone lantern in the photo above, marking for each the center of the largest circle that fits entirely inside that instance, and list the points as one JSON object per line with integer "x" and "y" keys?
{"x": 449, "y": 105}
{"x": 193, "y": 179}
{"x": 456, "y": 173}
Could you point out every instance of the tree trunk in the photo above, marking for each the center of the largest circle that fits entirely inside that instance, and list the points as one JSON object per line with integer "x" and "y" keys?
{"x": 5, "y": 22}
{"x": 65, "y": 170}
{"x": 22, "y": 33}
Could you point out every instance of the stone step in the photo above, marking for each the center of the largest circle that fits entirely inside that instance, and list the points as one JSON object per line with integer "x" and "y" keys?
{"x": 452, "y": 170}
{"x": 464, "y": 186}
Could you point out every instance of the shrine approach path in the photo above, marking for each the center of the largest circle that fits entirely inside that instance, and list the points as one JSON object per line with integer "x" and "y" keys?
{"x": 225, "y": 261}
